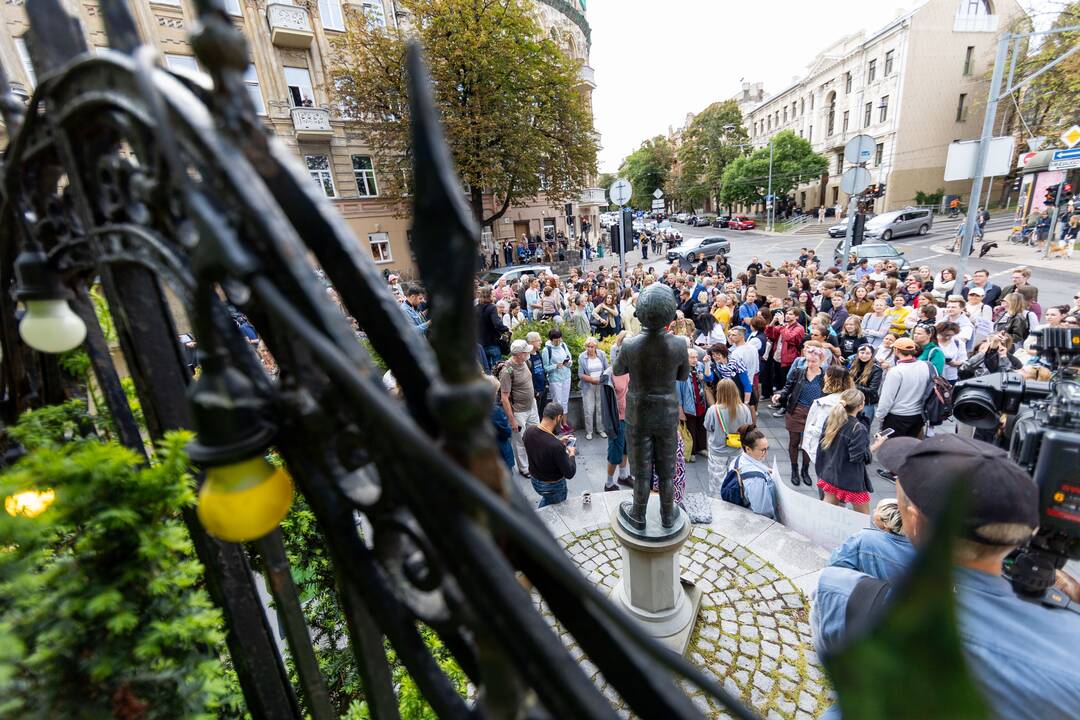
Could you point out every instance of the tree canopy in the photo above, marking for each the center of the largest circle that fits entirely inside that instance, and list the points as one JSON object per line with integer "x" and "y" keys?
{"x": 713, "y": 140}
{"x": 647, "y": 169}
{"x": 515, "y": 118}
{"x": 794, "y": 161}
{"x": 1049, "y": 102}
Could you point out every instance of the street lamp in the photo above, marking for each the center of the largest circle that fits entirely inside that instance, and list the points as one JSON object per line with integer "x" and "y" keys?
{"x": 49, "y": 324}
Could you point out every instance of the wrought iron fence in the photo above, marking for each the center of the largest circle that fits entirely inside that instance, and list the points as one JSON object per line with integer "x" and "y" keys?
{"x": 121, "y": 173}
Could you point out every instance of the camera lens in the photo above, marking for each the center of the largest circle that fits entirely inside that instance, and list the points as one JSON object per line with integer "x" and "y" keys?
{"x": 975, "y": 406}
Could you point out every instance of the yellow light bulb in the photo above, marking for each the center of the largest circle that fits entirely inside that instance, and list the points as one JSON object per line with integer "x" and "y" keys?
{"x": 245, "y": 500}
{"x": 29, "y": 504}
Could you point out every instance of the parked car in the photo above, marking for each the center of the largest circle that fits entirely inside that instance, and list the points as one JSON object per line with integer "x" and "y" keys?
{"x": 721, "y": 221}
{"x": 874, "y": 252}
{"x": 838, "y": 231}
{"x": 511, "y": 274}
{"x": 693, "y": 249}
{"x": 704, "y": 220}
{"x": 681, "y": 217}
{"x": 909, "y": 221}
{"x": 741, "y": 222}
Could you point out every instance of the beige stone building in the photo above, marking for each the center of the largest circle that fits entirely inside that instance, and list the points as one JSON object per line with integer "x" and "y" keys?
{"x": 290, "y": 45}
{"x": 915, "y": 85}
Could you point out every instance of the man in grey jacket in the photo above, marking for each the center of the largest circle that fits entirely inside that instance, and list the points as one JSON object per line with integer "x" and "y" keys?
{"x": 903, "y": 392}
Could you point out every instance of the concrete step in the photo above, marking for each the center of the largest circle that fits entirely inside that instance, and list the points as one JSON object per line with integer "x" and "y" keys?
{"x": 814, "y": 229}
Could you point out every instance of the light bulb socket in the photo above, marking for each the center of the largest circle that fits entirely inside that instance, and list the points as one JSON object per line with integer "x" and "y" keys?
{"x": 229, "y": 417}
{"x": 36, "y": 279}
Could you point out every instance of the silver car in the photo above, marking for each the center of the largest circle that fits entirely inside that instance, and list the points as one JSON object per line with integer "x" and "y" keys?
{"x": 693, "y": 249}
{"x": 909, "y": 221}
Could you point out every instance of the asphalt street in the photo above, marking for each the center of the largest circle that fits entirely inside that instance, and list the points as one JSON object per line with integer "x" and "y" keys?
{"x": 1056, "y": 286}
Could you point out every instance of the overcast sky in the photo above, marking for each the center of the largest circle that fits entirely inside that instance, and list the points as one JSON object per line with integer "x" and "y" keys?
{"x": 657, "y": 61}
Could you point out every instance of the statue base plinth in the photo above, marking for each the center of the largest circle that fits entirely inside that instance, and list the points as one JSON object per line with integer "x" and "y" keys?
{"x": 650, "y": 588}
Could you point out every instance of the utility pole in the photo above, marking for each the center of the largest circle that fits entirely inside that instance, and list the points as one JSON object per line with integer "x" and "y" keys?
{"x": 984, "y": 152}
{"x": 770, "y": 200}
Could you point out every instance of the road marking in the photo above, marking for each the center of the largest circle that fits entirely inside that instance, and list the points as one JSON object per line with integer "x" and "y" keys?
{"x": 816, "y": 247}
{"x": 928, "y": 257}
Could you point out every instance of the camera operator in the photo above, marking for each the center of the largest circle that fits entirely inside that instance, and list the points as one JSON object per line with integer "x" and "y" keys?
{"x": 1020, "y": 654}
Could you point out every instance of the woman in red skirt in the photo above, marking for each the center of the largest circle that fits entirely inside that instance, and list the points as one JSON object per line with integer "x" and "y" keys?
{"x": 844, "y": 453}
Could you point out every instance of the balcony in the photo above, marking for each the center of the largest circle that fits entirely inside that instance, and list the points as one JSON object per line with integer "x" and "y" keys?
{"x": 596, "y": 139}
{"x": 311, "y": 124}
{"x": 587, "y": 76}
{"x": 290, "y": 26}
{"x": 592, "y": 197}
{"x": 975, "y": 23}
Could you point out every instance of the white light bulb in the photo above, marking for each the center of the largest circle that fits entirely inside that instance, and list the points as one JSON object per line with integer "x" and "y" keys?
{"x": 51, "y": 326}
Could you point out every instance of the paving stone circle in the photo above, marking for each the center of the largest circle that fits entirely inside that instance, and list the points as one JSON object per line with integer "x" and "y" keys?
{"x": 752, "y": 633}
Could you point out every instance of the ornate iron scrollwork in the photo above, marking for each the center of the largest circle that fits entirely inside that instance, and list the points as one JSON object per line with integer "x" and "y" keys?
{"x": 169, "y": 181}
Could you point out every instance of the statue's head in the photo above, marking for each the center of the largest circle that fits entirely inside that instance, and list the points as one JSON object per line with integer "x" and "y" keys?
{"x": 656, "y": 306}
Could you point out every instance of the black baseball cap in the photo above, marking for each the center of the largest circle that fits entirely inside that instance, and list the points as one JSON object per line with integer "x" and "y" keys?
{"x": 999, "y": 491}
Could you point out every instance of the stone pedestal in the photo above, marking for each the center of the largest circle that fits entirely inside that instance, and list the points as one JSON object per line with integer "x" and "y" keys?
{"x": 649, "y": 587}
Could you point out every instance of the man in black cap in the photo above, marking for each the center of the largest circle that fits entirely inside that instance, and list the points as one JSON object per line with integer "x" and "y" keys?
{"x": 1021, "y": 654}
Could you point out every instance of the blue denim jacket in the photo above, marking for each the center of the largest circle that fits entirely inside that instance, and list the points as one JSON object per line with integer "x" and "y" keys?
{"x": 685, "y": 389}
{"x": 875, "y": 552}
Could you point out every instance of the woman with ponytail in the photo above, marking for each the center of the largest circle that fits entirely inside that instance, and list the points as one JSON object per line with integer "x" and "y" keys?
{"x": 843, "y": 454}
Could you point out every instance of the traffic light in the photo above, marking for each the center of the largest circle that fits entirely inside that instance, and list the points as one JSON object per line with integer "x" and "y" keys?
{"x": 870, "y": 191}
{"x": 857, "y": 229}
{"x": 1017, "y": 183}
{"x": 1066, "y": 193}
{"x": 1050, "y": 196}
{"x": 880, "y": 190}
{"x": 615, "y": 239}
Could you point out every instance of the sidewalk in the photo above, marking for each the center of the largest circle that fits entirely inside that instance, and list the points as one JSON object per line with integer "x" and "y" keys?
{"x": 1014, "y": 254}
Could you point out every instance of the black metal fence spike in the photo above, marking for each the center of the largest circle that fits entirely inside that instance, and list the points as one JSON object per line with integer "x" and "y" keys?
{"x": 445, "y": 235}
{"x": 120, "y": 26}
{"x": 54, "y": 37}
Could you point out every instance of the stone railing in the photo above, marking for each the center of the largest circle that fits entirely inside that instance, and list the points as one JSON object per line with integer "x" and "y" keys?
{"x": 593, "y": 196}
{"x": 290, "y": 25}
{"x": 587, "y": 76}
{"x": 311, "y": 123}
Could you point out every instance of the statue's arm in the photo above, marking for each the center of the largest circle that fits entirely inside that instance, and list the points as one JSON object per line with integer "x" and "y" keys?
{"x": 683, "y": 371}
{"x": 620, "y": 366}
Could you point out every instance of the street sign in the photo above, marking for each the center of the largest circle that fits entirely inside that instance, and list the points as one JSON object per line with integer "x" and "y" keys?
{"x": 658, "y": 193}
{"x": 855, "y": 180}
{"x": 1064, "y": 159}
{"x": 860, "y": 149}
{"x": 1071, "y": 136}
{"x": 658, "y": 204}
{"x": 619, "y": 192}
{"x": 960, "y": 163}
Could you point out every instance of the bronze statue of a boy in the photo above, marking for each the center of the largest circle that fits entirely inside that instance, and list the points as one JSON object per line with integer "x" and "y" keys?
{"x": 655, "y": 359}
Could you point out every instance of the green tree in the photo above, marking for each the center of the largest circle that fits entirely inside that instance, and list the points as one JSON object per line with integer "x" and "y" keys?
{"x": 794, "y": 161}
{"x": 713, "y": 140}
{"x": 100, "y": 593}
{"x": 1049, "y": 103}
{"x": 515, "y": 119}
{"x": 647, "y": 169}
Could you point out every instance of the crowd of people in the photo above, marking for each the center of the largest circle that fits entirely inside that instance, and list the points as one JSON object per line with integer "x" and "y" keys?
{"x": 847, "y": 356}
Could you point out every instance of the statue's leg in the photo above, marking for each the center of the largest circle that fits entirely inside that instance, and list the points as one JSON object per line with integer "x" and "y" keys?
{"x": 666, "y": 445}
{"x": 639, "y": 454}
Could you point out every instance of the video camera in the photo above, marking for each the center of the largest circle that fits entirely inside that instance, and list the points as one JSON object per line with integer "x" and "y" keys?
{"x": 1045, "y": 441}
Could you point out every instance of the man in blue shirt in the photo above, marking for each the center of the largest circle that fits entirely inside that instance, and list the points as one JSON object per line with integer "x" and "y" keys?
{"x": 863, "y": 270}
{"x": 413, "y": 296}
{"x": 1020, "y": 654}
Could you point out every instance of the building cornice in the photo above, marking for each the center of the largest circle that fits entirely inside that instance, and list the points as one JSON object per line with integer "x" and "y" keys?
{"x": 576, "y": 16}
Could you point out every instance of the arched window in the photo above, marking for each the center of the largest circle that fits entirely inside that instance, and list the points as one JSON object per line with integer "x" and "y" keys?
{"x": 975, "y": 7}
{"x": 830, "y": 118}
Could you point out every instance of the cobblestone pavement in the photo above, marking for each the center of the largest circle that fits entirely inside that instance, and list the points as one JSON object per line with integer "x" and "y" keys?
{"x": 752, "y": 633}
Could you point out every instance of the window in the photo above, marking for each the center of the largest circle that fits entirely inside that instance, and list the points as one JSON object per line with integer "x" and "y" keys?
{"x": 299, "y": 82}
{"x": 969, "y": 60}
{"x": 365, "y": 176}
{"x": 847, "y": 82}
{"x": 866, "y": 114}
{"x": 380, "y": 247}
{"x": 24, "y": 58}
{"x": 251, "y": 82}
{"x": 768, "y": 123}
{"x": 233, "y": 7}
{"x": 871, "y": 71}
{"x": 319, "y": 167}
{"x": 889, "y": 62}
{"x": 961, "y": 108}
{"x": 802, "y": 106}
{"x": 811, "y": 102}
{"x": 785, "y": 113}
{"x": 330, "y": 13}
{"x": 884, "y": 108}
{"x": 810, "y": 134}
{"x": 183, "y": 65}
{"x": 879, "y": 153}
{"x": 846, "y": 115}
{"x": 375, "y": 13}
{"x": 839, "y": 163}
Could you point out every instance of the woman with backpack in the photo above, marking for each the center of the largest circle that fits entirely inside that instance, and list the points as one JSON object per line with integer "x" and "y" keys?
{"x": 844, "y": 453}
{"x": 721, "y": 421}
{"x": 749, "y": 481}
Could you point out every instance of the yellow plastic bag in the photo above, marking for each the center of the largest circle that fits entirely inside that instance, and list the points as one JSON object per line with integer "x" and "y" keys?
{"x": 687, "y": 439}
